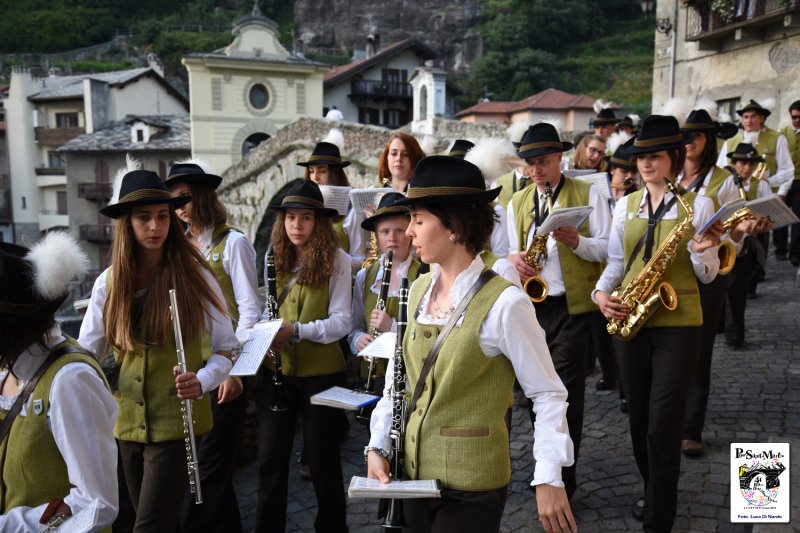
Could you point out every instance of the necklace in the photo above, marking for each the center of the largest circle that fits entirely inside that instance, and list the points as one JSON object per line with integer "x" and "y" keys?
{"x": 441, "y": 314}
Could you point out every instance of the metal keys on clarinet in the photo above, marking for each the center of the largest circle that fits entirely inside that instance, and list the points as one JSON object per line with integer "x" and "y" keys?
{"x": 192, "y": 466}
{"x": 279, "y": 396}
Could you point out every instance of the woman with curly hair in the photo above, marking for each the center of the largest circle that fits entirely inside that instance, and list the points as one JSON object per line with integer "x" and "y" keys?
{"x": 398, "y": 160}
{"x": 313, "y": 286}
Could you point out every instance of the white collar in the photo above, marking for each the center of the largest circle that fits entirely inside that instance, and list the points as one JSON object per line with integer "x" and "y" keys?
{"x": 461, "y": 286}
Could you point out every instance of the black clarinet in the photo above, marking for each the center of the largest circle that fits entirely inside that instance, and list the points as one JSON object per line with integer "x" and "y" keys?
{"x": 395, "y": 518}
{"x": 364, "y": 413}
{"x": 279, "y": 398}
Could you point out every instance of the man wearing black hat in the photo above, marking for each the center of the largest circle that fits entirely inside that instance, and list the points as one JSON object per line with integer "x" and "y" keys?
{"x": 791, "y": 189}
{"x": 773, "y": 148}
{"x": 604, "y": 123}
{"x": 574, "y": 263}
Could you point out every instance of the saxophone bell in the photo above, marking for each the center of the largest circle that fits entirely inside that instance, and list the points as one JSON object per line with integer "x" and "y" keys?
{"x": 727, "y": 257}
{"x": 536, "y": 288}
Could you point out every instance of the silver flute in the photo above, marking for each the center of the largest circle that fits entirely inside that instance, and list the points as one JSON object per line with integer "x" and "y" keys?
{"x": 192, "y": 465}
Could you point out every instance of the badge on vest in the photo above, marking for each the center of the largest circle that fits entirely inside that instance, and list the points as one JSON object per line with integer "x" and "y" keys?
{"x": 215, "y": 256}
{"x": 37, "y": 407}
{"x": 631, "y": 216}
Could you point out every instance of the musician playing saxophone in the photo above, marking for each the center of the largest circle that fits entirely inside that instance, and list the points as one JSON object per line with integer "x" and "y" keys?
{"x": 655, "y": 366}
{"x": 573, "y": 265}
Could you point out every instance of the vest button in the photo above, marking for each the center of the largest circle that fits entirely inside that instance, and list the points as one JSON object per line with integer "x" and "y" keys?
{"x": 138, "y": 378}
{"x": 140, "y": 403}
{"x": 294, "y": 300}
{"x": 413, "y": 438}
{"x": 427, "y": 334}
{"x": 425, "y": 387}
{"x": 413, "y": 465}
{"x": 419, "y": 412}
{"x": 141, "y": 426}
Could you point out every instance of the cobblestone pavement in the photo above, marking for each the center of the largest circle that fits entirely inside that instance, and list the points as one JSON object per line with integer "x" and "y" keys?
{"x": 755, "y": 396}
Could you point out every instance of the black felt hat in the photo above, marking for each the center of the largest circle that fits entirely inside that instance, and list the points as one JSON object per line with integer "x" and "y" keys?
{"x": 621, "y": 159}
{"x": 605, "y": 116}
{"x": 746, "y": 152}
{"x": 460, "y": 148}
{"x": 754, "y": 106}
{"x": 33, "y": 282}
{"x": 191, "y": 173}
{"x": 700, "y": 120}
{"x": 325, "y": 153}
{"x": 659, "y": 132}
{"x": 727, "y": 130}
{"x": 305, "y": 194}
{"x": 441, "y": 179}
{"x": 141, "y": 187}
{"x": 386, "y": 207}
{"x": 541, "y": 139}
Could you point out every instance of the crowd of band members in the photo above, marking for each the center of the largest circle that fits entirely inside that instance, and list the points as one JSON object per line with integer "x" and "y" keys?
{"x": 466, "y": 244}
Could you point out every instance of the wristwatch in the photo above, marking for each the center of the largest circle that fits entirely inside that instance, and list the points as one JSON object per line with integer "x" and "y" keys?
{"x": 380, "y": 451}
{"x": 295, "y": 331}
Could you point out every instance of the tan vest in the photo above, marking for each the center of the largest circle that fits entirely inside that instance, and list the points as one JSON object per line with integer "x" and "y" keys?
{"x": 447, "y": 436}
{"x": 579, "y": 276}
{"x": 766, "y": 146}
{"x": 510, "y": 185}
{"x": 215, "y": 261}
{"x": 680, "y": 273}
{"x": 718, "y": 177}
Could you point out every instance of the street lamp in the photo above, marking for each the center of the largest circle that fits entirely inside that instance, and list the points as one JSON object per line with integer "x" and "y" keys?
{"x": 647, "y": 6}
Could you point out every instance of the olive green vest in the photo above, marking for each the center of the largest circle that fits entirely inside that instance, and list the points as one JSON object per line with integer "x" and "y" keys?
{"x": 149, "y": 408}
{"x": 752, "y": 193}
{"x": 392, "y": 307}
{"x": 579, "y": 276}
{"x": 793, "y": 140}
{"x": 510, "y": 185}
{"x": 489, "y": 258}
{"x": 680, "y": 273}
{"x": 33, "y": 469}
{"x": 306, "y": 358}
{"x": 214, "y": 259}
{"x": 718, "y": 177}
{"x": 341, "y": 234}
{"x": 766, "y": 147}
{"x": 447, "y": 436}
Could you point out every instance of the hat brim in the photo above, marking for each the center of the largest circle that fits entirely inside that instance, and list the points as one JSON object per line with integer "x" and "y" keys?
{"x": 370, "y": 223}
{"x": 211, "y": 180}
{"x": 762, "y": 111}
{"x": 37, "y": 314}
{"x": 119, "y": 209}
{"x": 479, "y": 197}
{"x": 700, "y": 127}
{"x": 546, "y": 150}
{"x": 733, "y": 156}
{"x": 619, "y": 163}
{"x": 329, "y": 162}
{"x": 324, "y": 211}
{"x": 632, "y": 150}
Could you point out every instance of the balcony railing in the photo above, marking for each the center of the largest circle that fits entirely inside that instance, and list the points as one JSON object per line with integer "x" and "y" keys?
{"x": 50, "y": 171}
{"x": 56, "y": 136}
{"x": 96, "y": 191}
{"x": 380, "y": 89}
{"x": 101, "y": 233}
{"x": 703, "y": 22}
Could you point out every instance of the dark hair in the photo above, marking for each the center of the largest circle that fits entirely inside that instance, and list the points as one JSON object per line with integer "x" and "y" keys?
{"x": 708, "y": 159}
{"x": 205, "y": 209}
{"x": 678, "y": 158}
{"x": 795, "y": 106}
{"x": 336, "y": 176}
{"x": 472, "y": 224}
{"x": 16, "y": 338}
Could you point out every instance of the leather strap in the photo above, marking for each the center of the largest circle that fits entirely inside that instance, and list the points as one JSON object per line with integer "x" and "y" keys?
{"x": 286, "y": 289}
{"x": 484, "y": 278}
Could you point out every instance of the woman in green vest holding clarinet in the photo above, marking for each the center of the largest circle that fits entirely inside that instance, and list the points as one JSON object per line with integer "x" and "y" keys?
{"x": 129, "y": 314}
{"x": 655, "y": 366}
{"x": 233, "y": 260}
{"x": 313, "y": 296}
{"x": 457, "y": 431}
{"x": 56, "y": 413}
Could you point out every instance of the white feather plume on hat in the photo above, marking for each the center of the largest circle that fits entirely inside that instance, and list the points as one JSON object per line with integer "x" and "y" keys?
{"x": 516, "y": 130}
{"x": 724, "y": 116}
{"x": 56, "y": 259}
{"x": 131, "y": 164}
{"x": 677, "y": 107}
{"x": 202, "y": 163}
{"x": 709, "y": 105}
{"x": 635, "y": 119}
{"x": 767, "y": 103}
{"x": 335, "y": 136}
{"x": 494, "y": 157}
{"x": 428, "y": 144}
{"x": 615, "y": 140}
{"x": 599, "y": 105}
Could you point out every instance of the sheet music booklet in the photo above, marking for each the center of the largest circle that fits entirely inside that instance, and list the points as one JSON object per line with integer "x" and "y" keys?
{"x": 255, "y": 347}
{"x": 383, "y": 346}
{"x": 362, "y": 487}
{"x": 335, "y": 197}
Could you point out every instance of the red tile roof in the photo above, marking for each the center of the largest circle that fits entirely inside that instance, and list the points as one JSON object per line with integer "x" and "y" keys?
{"x": 486, "y": 108}
{"x": 344, "y": 72}
{"x": 547, "y": 99}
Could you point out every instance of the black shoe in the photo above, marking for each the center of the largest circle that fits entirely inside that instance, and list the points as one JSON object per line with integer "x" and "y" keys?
{"x": 603, "y": 385}
{"x": 735, "y": 343}
{"x": 637, "y": 509}
{"x": 780, "y": 256}
{"x": 623, "y": 406}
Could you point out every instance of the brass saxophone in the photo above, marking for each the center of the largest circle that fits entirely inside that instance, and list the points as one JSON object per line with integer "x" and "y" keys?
{"x": 646, "y": 293}
{"x": 536, "y": 255}
{"x": 726, "y": 250}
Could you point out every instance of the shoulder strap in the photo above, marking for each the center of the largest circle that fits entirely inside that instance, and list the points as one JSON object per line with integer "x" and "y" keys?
{"x": 484, "y": 278}
{"x": 5, "y": 426}
{"x": 285, "y": 291}
{"x": 222, "y": 234}
{"x": 639, "y": 244}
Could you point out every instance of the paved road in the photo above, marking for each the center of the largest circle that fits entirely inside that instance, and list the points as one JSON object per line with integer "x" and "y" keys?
{"x": 755, "y": 396}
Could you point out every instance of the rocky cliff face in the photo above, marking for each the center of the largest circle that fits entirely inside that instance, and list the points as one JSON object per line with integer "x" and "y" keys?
{"x": 448, "y": 26}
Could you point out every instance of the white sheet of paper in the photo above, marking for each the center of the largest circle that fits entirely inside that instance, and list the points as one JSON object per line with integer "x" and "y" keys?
{"x": 571, "y": 217}
{"x": 342, "y": 398}
{"x": 366, "y": 198}
{"x": 776, "y": 209}
{"x": 600, "y": 180}
{"x": 362, "y": 487}
{"x": 382, "y": 347}
{"x": 335, "y": 197}
{"x": 255, "y": 348}
{"x": 82, "y": 521}
{"x": 575, "y": 172}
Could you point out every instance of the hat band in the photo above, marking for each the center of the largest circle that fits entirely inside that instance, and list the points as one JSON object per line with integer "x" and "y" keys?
{"x": 746, "y": 157}
{"x": 536, "y": 146}
{"x": 391, "y": 209}
{"x": 456, "y": 152}
{"x": 142, "y": 194}
{"x": 421, "y": 192}
{"x": 658, "y": 140}
{"x": 8, "y": 307}
{"x": 324, "y": 158}
{"x": 605, "y": 121}
{"x": 302, "y": 200}
{"x": 617, "y": 161}
{"x": 699, "y": 126}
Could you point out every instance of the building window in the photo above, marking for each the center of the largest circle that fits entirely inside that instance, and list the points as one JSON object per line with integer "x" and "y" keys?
{"x": 139, "y": 135}
{"x": 61, "y": 202}
{"x": 392, "y": 118}
{"x": 258, "y": 96}
{"x": 423, "y": 102}
{"x": 729, "y": 106}
{"x": 66, "y": 120}
{"x": 252, "y": 141}
{"x": 101, "y": 172}
{"x": 368, "y": 115}
{"x": 55, "y": 160}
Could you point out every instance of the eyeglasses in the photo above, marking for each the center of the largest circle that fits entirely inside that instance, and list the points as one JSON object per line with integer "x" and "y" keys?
{"x": 795, "y": 117}
{"x": 595, "y": 151}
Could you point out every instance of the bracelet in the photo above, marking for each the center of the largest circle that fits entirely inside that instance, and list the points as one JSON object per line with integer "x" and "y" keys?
{"x": 380, "y": 451}
{"x": 295, "y": 331}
